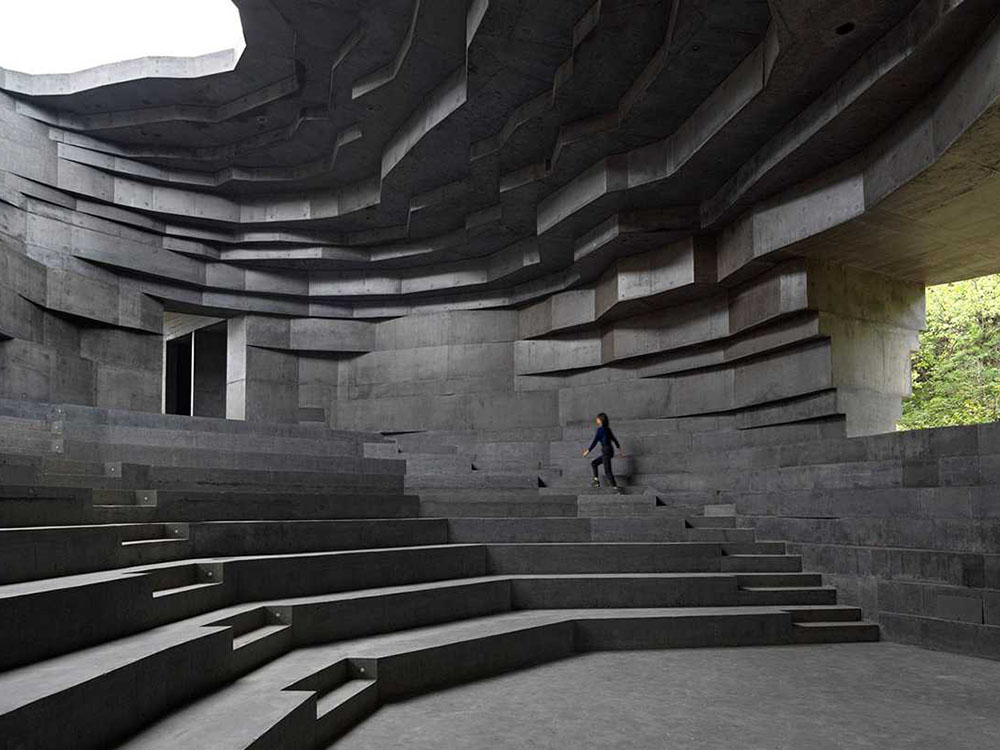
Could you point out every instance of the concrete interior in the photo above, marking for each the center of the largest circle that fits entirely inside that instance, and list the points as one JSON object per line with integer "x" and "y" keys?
{"x": 299, "y": 353}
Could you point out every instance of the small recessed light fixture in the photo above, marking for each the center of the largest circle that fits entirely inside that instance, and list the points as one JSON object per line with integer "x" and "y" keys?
{"x": 845, "y": 28}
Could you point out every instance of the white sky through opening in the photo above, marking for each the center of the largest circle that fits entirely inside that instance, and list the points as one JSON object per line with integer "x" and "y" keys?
{"x": 64, "y": 36}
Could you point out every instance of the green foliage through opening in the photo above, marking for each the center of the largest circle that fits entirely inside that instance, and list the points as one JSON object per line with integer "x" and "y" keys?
{"x": 956, "y": 371}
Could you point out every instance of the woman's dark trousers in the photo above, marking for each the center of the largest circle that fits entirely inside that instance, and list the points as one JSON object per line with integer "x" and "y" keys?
{"x": 604, "y": 458}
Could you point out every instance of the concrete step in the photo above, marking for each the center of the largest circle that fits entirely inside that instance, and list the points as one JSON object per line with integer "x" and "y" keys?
{"x": 494, "y": 465}
{"x": 169, "y": 578}
{"x": 183, "y": 589}
{"x": 406, "y": 447}
{"x": 833, "y": 613}
{"x": 528, "y": 449}
{"x": 424, "y": 442}
{"x": 122, "y": 514}
{"x": 244, "y": 457}
{"x": 585, "y": 489}
{"x": 434, "y": 657}
{"x": 387, "y": 450}
{"x": 329, "y": 617}
{"x": 260, "y": 635}
{"x": 31, "y": 442}
{"x": 30, "y": 424}
{"x": 751, "y": 548}
{"x": 574, "y": 474}
{"x": 343, "y": 707}
{"x": 614, "y": 504}
{"x": 835, "y": 632}
{"x": 605, "y": 558}
{"x": 644, "y": 529}
{"x": 136, "y": 543}
{"x": 121, "y": 682}
{"x": 161, "y": 430}
{"x": 778, "y": 580}
{"x": 787, "y": 595}
{"x": 762, "y": 563}
{"x": 470, "y": 480}
{"x": 436, "y": 463}
{"x": 144, "y": 552}
{"x": 86, "y": 481}
{"x": 59, "y": 415}
{"x": 386, "y": 478}
{"x": 762, "y": 473}
{"x": 97, "y": 607}
{"x": 711, "y": 522}
{"x": 130, "y": 533}
{"x": 347, "y": 471}
{"x": 71, "y": 550}
{"x": 630, "y": 590}
{"x": 681, "y": 499}
{"x": 180, "y": 505}
{"x": 715, "y": 534}
{"x": 49, "y": 465}
{"x": 505, "y": 503}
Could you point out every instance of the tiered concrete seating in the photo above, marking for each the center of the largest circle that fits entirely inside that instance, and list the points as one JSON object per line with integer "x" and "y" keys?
{"x": 276, "y": 607}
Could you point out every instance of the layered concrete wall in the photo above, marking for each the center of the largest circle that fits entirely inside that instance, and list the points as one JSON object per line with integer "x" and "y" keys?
{"x": 51, "y": 352}
{"x": 432, "y": 270}
{"x": 551, "y": 260}
{"x": 799, "y": 329}
{"x": 905, "y": 525}
{"x": 802, "y": 329}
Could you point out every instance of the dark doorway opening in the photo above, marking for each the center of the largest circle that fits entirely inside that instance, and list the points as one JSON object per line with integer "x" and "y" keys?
{"x": 178, "y": 376}
{"x": 210, "y": 349}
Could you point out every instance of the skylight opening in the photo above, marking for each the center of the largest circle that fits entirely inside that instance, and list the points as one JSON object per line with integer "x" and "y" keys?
{"x": 67, "y": 36}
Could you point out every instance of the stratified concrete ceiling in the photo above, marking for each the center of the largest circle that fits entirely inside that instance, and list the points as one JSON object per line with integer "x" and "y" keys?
{"x": 484, "y": 152}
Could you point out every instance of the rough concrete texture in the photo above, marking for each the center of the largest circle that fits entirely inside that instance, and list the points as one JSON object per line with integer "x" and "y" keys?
{"x": 635, "y": 179}
{"x": 832, "y": 697}
{"x": 439, "y": 237}
{"x": 239, "y": 583}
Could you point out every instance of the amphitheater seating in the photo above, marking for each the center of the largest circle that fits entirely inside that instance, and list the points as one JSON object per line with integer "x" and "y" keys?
{"x": 285, "y": 581}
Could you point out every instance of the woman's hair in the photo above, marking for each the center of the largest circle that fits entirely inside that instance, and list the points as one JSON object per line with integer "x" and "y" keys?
{"x": 605, "y": 422}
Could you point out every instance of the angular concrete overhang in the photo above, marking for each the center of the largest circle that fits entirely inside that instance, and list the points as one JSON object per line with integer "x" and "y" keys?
{"x": 365, "y": 160}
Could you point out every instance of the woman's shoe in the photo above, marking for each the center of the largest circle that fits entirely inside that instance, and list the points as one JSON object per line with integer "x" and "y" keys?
{"x": 596, "y": 483}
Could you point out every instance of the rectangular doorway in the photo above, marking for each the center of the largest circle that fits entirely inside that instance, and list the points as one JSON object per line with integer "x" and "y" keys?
{"x": 178, "y": 374}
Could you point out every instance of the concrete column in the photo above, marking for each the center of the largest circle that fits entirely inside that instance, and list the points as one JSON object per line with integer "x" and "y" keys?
{"x": 236, "y": 368}
{"x": 262, "y": 385}
{"x": 873, "y": 322}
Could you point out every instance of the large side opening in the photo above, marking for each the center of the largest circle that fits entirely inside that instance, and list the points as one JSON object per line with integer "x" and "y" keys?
{"x": 956, "y": 370}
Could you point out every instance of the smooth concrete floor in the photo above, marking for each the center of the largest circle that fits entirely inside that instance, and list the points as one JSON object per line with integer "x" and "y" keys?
{"x": 873, "y": 695}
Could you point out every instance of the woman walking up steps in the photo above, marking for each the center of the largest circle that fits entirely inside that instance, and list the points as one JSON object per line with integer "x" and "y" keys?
{"x": 609, "y": 442}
